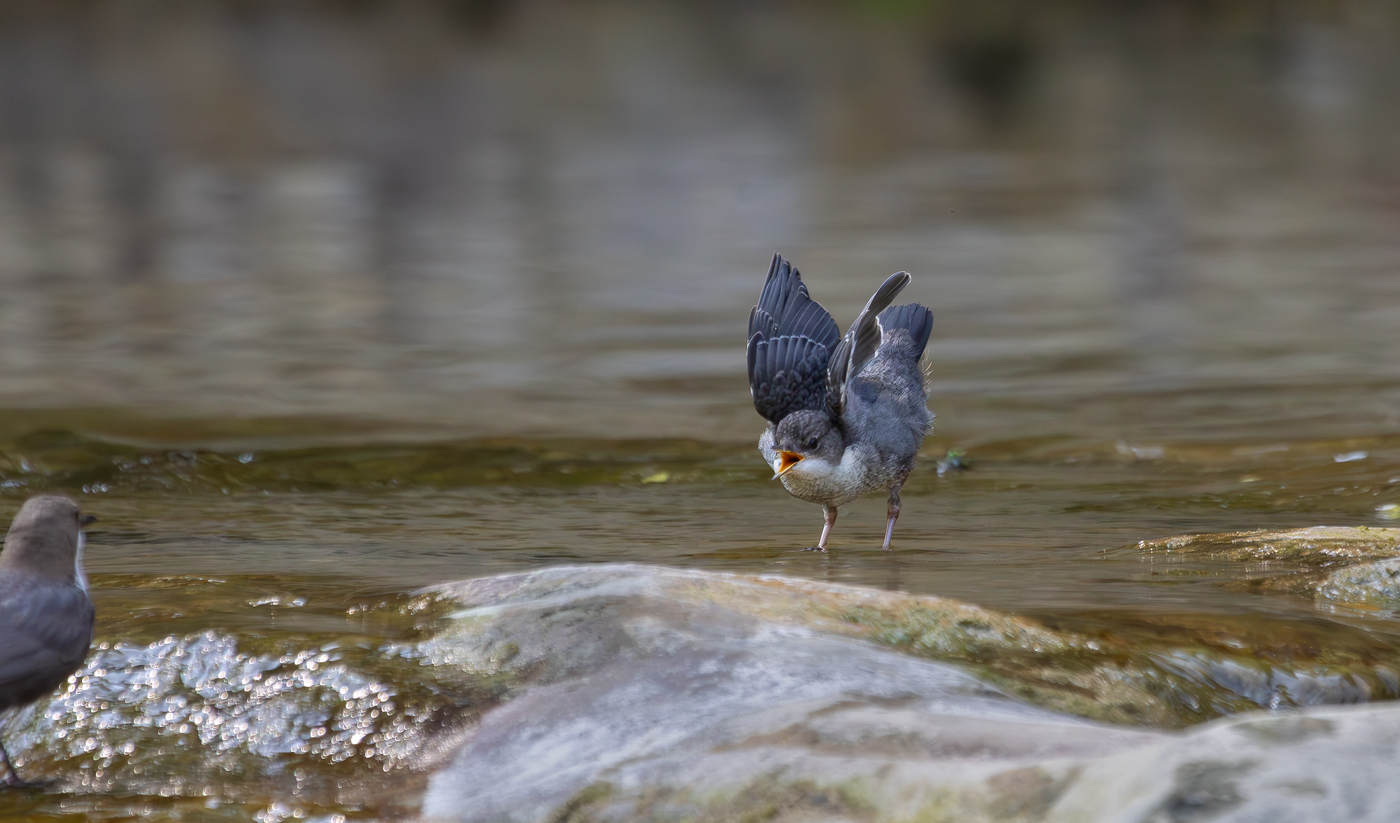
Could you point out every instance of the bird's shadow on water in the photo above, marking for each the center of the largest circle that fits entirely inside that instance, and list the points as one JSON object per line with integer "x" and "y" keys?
{"x": 835, "y": 568}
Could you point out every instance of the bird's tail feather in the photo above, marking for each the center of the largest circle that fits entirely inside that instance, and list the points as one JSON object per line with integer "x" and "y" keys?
{"x": 913, "y": 318}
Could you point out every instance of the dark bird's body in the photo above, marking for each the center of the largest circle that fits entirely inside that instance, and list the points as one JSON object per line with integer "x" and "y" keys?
{"x": 45, "y": 614}
{"x": 846, "y": 415}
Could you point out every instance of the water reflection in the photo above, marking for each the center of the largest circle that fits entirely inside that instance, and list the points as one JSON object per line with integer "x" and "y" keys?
{"x": 511, "y": 218}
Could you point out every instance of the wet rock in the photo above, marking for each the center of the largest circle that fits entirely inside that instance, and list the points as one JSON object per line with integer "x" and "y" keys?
{"x": 662, "y": 694}
{"x": 654, "y": 678}
{"x": 240, "y": 718}
{"x": 560, "y": 622}
{"x": 1334, "y": 563}
{"x": 1375, "y": 584}
{"x": 1317, "y": 546}
{"x": 1334, "y": 764}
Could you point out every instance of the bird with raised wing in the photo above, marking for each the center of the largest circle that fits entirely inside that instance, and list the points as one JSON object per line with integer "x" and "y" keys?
{"x": 846, "y": 414}
{"x": 45, "y": 614}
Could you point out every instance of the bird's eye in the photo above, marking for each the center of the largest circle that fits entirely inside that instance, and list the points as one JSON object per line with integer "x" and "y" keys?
{"x": 811, "y": 442}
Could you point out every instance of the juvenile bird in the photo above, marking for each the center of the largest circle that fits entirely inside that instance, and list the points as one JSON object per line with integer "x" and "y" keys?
{"x": 846, "y": 415}
{"x": 45, "y": 613}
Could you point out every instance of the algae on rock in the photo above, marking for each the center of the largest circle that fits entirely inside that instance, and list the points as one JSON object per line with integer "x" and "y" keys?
{"x": 665, "y": 694}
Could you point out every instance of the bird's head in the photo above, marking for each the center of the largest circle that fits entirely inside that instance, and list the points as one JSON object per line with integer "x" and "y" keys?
{"x": 806, "y": 439}
{"x": 45, "y": 537}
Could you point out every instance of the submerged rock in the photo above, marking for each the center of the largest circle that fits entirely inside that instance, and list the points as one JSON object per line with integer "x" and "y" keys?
{"x": 662, "y": 694}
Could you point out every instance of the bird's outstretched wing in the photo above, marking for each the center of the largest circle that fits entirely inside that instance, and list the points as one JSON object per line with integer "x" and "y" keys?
{"x": 860, "y": 342}
{"x": 790, "y": 341}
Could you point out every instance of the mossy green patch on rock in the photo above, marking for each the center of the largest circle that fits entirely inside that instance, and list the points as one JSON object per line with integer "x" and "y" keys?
{"x": 663, "y": 694}
{"x": 1164, "y": 676}
{"x": 1317, "y": 545}
{"x": 1350, "y": 565}
{"x": 1170, "y": 679}
{"x": 1015, "y": 795}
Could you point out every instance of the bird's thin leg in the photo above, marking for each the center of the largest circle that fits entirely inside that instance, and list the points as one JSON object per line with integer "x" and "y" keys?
{"x": 893, "y": 514}
{"x": 830, "y": 512}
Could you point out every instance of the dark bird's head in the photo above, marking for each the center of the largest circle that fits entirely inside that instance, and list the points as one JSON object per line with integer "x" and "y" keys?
{"x": 45, "y": 538}
{"x": 808, "y": 441}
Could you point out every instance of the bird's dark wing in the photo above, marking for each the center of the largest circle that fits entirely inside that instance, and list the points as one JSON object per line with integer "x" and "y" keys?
{"x": 45, "y": 632}
{"x": 790, "y": 341}
{"x": 860, "y": 342}
{"x": 913, "y": 318}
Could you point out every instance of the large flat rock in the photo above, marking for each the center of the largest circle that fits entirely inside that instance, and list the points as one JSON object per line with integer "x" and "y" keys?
{"x": 647, "y": 693}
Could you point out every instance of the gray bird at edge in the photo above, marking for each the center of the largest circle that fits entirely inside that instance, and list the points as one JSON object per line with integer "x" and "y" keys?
{"x": 846, "y": 415}
{"x": 45, "y": 614}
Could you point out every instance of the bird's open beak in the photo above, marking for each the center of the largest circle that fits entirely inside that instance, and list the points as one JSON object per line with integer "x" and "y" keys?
{"x": 784, "y": 462}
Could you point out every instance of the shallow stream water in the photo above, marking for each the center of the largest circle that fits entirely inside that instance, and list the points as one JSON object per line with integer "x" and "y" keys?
{"x": 314, "y": 306}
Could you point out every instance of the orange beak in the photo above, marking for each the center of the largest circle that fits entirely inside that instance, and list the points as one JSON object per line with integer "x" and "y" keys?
{"x": 785, "y": 461}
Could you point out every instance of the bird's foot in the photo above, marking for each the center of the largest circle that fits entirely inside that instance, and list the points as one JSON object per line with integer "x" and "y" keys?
{"x": 821, "y": 549}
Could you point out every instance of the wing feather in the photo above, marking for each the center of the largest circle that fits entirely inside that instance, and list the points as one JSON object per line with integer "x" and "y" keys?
{"x": 861, "y": 342}
{"x": 790, "y": 341}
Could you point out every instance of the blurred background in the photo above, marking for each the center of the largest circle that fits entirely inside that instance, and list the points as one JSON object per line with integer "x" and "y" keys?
{"x": 510, "y": 217}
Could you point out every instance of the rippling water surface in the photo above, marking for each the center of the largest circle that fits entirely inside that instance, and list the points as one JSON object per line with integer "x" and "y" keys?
{"x": 314, "y": 306}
